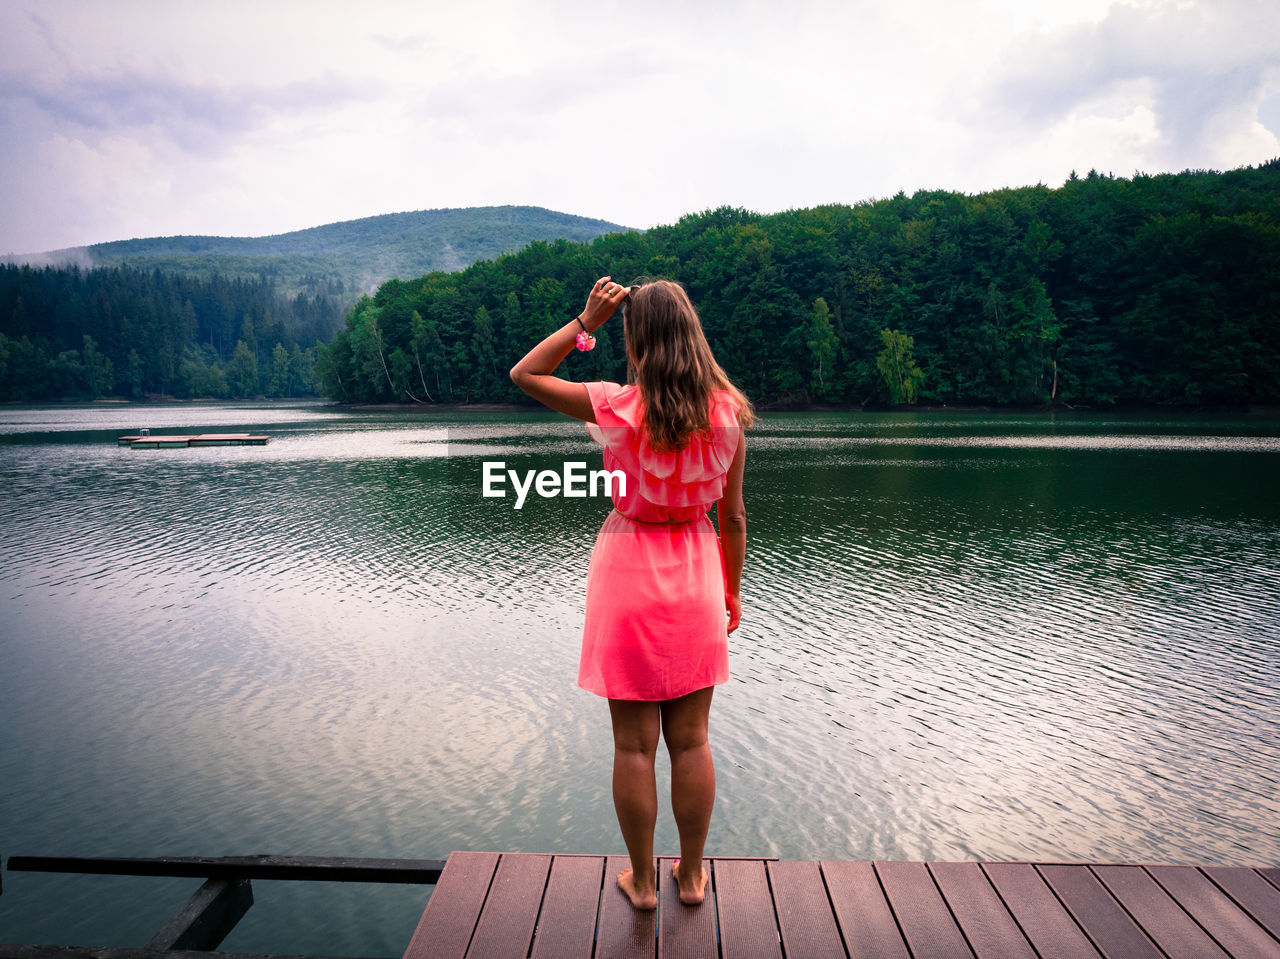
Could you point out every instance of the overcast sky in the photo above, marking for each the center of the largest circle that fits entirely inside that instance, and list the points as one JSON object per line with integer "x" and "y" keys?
{"x": 123, "y": 118}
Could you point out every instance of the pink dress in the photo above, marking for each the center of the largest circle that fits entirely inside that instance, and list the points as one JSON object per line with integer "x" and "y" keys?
{"x": 655, "y": 624}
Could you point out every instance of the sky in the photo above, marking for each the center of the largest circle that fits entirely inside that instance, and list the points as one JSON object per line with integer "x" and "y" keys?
{"x": 132, "y": 118}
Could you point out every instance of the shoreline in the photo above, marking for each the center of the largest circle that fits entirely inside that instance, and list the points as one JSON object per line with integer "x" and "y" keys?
{"x": 1257, "y": 410}
{"x": 1251, "y": 410}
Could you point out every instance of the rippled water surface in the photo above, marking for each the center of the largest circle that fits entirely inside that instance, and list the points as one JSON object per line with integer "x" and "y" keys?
{"x": 965, "y": 636}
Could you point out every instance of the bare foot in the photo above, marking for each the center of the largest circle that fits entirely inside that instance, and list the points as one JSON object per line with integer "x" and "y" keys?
{"x": 691, "y": 892}
{"x": 643, "y": 899}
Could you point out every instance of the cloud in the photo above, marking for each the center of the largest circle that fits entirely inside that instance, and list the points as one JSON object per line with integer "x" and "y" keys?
{"x": 1197, "y": 68}
{"x": 199, "y": 117}
{"x": 412, "y": 44}
{"x": 1269, "y": 106}
{"x": 74, "y": 256}
{"x": 146, "y": 117}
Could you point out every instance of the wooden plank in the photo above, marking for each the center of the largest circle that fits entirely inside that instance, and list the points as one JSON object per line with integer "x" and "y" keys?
{"x": 100, "y": 952}
{"x": 1229, "y": 925}
{"x": 744, "y": 910}
{"x": 684, "y": 932}
{"x": 207, "y": 917}
{"x": 922, "y": 915}
{"x": 567, "y": 923}
{"x": 1044, "y": 920}
{"x": 1096, "y": 911}
{"x": 1251, "y": 892}
{"x": 445, "y": 929}
{"x": 496, "y": 904}
{"x": 866, "y": 922}
{"x": 983, "y": 918}
{"x": 805, "y": 921}
{"x": 624, "y": 932}
{"x": 191, "y": 436}
{"x": 227, "y": 439}
{"x": 1163, "y": 919}
{"x": 510, "y": 914}
{"x": 321, "y": 868}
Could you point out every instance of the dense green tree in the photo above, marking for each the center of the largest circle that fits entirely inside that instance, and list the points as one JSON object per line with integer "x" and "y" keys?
{"x": 332, "y": 363}
{"x": 484, "y": 353}
{"x": 133, "y": 375}
{"x": 142, "y": 326}
{"x": 425, "y": 357}
{"x": 823, "y": 344}
{"x": 203, "y": 378}
{"x": 26, "y": 369}
{"x": 242, "y": 372}
{"x": 68, "y": 374}
{"x": 301, "y": 364}
{"x": 280, "y": 372}
{"x": 98, "y": 373}
{"x": 898, "y": 366}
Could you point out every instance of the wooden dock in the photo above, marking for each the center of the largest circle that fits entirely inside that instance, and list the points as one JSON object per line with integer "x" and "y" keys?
{"x": 160, "y": 441}
{"x": 487, "y": 905}
{"x": 564, "y": 906}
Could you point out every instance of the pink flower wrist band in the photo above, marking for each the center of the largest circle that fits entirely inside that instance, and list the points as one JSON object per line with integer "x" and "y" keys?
{"x": 584, "y": 340}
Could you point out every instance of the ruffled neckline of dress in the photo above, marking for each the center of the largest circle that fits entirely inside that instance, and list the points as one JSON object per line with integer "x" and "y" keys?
{"x": 692, "y": 476}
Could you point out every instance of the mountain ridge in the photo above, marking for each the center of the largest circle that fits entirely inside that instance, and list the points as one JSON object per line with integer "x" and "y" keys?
{"x": 345, "y": 258}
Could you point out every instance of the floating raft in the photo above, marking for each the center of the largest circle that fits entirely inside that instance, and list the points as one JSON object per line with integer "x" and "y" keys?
{"x": 162, "y": 442}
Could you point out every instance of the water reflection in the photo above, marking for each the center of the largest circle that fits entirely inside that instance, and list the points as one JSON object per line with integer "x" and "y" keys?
{"x": 983, "y": 636}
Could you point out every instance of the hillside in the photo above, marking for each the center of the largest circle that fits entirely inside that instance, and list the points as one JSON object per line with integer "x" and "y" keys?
{"x": 228, "y": 316}
{"x": 342, "y": 260}
{"x": 1159, "y": 290}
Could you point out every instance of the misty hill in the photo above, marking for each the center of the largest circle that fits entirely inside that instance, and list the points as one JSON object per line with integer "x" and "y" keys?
{"x": 342, "y": 260}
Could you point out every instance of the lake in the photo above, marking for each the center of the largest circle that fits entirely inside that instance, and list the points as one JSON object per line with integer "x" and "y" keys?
{"x": 965, "y": 636}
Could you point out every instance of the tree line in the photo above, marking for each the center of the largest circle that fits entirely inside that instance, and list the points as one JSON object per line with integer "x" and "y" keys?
{"x": 83, "y": 334}
{"x": 1154, "y": 290}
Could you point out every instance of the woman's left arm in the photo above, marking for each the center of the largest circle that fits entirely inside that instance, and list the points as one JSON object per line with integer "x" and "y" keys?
{"x": 535, "y": 373}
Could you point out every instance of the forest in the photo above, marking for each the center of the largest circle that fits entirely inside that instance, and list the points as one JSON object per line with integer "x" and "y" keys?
{"x": 227, "y": 317}
{"x": 134, "y": 334}
{"x": 1155, "y": 290}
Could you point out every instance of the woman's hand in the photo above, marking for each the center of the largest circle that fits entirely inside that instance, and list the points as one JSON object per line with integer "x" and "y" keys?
{"x": 602, "y": 302}
{"x": 733, "y": 605}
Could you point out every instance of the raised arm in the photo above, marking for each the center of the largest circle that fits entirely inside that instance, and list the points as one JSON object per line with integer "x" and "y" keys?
{"x": 534, "y": 373}
{"x": 732, "y": 516}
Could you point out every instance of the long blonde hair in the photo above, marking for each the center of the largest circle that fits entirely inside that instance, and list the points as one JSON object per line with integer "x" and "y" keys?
{"x": 670, "y": 361}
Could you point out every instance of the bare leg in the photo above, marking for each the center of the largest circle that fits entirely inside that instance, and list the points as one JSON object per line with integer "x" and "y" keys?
{"x": 693, "y": 786}
{"x": 636, "y": 728}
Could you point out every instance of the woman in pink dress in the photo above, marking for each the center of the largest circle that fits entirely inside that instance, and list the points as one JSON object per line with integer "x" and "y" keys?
{"x": 662, "y": 587}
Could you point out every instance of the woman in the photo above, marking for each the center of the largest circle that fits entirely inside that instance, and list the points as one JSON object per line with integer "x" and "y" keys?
{"x": 660, "y": 582}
